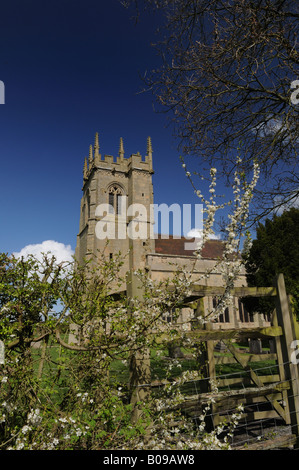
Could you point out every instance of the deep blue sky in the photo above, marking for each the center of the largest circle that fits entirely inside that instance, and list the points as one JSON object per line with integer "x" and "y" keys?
{"x": 71, "y": 69}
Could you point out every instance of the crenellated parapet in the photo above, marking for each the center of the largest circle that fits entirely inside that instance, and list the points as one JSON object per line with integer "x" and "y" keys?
{"x": 118, "y": 164}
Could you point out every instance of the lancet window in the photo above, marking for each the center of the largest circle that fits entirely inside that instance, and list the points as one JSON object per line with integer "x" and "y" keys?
{"x": 114, "y": 195}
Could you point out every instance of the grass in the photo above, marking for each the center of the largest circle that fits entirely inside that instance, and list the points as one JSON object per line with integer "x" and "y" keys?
{"x": 56, "y": 367}
{"x": 54, "y": 380}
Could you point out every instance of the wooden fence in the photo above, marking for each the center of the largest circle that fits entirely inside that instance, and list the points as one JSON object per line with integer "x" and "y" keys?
{"x": 279, "y": 389}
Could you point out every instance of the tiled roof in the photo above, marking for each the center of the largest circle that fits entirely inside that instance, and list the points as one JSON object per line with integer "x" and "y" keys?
{"x": 176, "y": 246}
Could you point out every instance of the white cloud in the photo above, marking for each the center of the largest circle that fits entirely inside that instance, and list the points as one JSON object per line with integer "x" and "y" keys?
{"x": 197, "y": 233}
{"x": 59, "y": 250}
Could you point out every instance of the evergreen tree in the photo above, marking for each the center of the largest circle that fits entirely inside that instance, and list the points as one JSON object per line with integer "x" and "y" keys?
{"x": 276, "y": 250}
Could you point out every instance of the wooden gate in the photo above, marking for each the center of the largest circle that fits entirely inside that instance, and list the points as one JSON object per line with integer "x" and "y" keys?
{"x": 281, "y": 389}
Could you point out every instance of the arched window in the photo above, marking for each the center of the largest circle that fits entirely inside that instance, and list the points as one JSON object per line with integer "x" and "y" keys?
{"x": 84, "y": 214}
{"x": 223, "y": 317}
{"x": 114, "y": 199}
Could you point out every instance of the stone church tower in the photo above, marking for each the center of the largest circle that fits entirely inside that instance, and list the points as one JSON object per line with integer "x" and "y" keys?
{"x": 116, "y": 216}
{"x": 116, "y": 204}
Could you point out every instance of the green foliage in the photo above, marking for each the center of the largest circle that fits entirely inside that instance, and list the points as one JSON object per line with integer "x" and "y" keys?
{"x": 276, "y": 250}
{"x": 29, "y": 290}
{"x": 85, "y": 395}
{"x": 73, "y": 396}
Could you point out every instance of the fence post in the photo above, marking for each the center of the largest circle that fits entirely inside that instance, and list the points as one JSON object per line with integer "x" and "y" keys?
{"x": 206, "y": 358}
{"x": 140, "y": 371}
{"x": 285, "y": 320}
{"x": 207, "y": 366}
{"x": 139, "y": 382}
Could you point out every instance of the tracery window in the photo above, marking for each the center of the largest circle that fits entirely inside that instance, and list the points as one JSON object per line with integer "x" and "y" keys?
{"x": 223, "y": 317}
{"x": 115, "y": 194}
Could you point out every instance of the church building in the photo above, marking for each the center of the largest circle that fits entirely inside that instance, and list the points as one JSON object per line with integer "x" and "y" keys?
{"x": 116, "y": 215}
